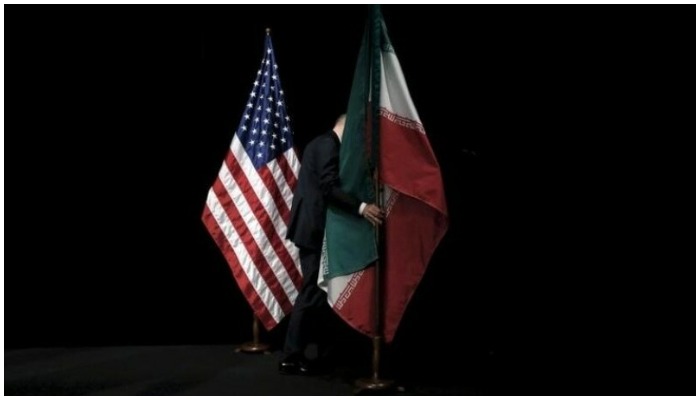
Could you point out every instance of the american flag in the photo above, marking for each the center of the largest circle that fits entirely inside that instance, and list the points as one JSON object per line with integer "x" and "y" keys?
{"x": 248, "y": 205}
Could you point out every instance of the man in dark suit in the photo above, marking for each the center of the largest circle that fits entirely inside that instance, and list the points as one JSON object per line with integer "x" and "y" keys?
{"x": 317, "y": 187}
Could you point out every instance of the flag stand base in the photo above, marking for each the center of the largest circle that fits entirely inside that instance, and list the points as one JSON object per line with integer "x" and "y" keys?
{"x": 253, "y": 347}
{"x": 374, "y": 384}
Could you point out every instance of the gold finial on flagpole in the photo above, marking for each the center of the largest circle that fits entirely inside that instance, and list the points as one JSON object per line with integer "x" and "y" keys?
{"x": 267, "y": 31}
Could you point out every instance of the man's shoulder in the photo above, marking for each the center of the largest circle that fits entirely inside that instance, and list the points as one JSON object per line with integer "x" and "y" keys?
{"x": 321, "y": 140}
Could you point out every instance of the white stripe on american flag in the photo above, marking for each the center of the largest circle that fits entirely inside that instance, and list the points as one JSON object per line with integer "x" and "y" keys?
{"x": 264, "y": 196}
{"x": 243, "y": 257}
{"x": 255, "y": 227}
{"x": 293, "y": 161}
{"x": 281, "y": 183}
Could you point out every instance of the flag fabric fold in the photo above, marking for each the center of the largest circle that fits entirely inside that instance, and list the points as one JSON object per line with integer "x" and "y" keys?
{"x": 247, "y": 207}
{"x": 382, "y": 128}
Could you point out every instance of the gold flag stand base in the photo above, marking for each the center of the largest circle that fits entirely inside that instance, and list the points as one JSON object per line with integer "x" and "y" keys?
{"x": 255, "y": 346}
{"x": 374, "y": 384}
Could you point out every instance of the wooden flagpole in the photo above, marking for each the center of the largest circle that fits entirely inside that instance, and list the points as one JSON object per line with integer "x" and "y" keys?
{"x": 375, "y": 382}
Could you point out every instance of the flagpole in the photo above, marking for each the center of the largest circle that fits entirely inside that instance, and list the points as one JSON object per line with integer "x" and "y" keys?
{"x": 255, "y": 346}
{"x": 375, "y": 382}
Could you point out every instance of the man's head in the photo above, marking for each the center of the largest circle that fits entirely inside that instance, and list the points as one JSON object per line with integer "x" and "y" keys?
{"x": 339, "y": 126}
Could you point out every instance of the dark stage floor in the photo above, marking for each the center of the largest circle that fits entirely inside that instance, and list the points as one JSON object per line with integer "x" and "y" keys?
{"x": 169, "y": 370}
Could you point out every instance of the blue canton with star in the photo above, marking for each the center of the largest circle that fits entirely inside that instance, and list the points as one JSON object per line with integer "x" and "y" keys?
{"x": 265, "y": 128}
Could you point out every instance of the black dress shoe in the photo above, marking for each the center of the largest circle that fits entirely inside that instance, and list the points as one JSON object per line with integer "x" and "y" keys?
{"x": 289, "y": 367}
{"x": 307, "y": 368}
{"x": 297, "y": 366}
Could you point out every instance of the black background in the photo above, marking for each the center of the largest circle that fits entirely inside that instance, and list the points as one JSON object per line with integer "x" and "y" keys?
{"x": 562, "y": 132}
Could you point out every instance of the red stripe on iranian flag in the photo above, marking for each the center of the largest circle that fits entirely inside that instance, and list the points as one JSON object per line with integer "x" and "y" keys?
{"x": 421, "y": 178}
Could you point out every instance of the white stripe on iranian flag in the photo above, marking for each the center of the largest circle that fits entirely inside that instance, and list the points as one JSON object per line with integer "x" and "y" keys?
{"x": 256, "y": 230}
{"x": 393, "y": 92}
{"x": 243, "y": 257}
{"x": 334, "y": 286}
{"x": 264, "y": 197}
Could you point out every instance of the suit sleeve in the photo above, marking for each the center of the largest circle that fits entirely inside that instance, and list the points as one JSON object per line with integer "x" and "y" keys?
{"x": 330, "y": 183}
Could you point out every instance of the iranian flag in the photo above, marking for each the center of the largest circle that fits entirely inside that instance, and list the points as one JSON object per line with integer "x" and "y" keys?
{"x": 385, "y": 135}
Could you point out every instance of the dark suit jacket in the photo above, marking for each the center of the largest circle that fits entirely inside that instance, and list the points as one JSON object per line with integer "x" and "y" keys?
{"x": 318, "y": 186}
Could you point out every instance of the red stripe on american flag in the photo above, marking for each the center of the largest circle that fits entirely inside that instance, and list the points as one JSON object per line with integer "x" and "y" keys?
{"x": 269, "y": 182}
{"x": 263, "y": 217}
{"x": 251, "y": 246}
{"x": 239, "y": 275}
{"x": 287, "y": 171}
